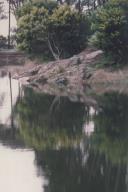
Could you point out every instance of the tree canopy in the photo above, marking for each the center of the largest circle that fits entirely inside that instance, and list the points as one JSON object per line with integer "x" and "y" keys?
{"x": 111, "y": 28}
{"x": 56, "y": 31}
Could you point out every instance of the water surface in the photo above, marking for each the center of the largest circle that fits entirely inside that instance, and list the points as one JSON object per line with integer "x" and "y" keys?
{"x": 55, "y": 145}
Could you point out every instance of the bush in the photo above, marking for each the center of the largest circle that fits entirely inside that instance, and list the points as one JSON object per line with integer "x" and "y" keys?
{"x": 31, "y": 32}
{"x": 58, "y": 31}
{"x": 111, "y": 26}
{"x": 69, "y": 30}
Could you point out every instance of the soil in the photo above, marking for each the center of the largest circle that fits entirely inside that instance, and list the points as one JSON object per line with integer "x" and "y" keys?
{"x": 72, "y": 76}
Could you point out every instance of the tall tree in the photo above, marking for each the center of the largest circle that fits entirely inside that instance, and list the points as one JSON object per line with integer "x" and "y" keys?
{"x": 2, "y": 15}
{"x": 15, "y": 4}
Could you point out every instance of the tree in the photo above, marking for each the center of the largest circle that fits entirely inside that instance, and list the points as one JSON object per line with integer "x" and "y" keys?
{"x": 3, "y": 40}
{"x": 111, "y": 26}
{"x": 2, "y": 15}
{"x": 57, "y": 31}
{"x": 31, "y": 32}
{"x": 15, "y": 4}
{"x": 68, "y": 31}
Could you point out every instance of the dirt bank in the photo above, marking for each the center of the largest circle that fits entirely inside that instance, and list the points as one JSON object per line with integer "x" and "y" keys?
{"x": 67, "y": 72}
{"x": 73, "y": 75}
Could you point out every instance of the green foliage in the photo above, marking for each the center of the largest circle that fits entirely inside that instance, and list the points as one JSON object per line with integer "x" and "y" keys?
{"x": 27, "y": 7}
{"x": 31, "y": 34}
{"x": 111, "y": 26}
{"x": 68, "y": 29}
{"x": 50, "y": 5}
{"x": 105, "y": 62}
{"x": 51, "y": 30}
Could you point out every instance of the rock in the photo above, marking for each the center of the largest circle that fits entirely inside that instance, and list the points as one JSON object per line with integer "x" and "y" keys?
{"x": 88, "y": 72}
{"x": 28, "y": 73}
{"x": 82, "y": 57}
{"x": 88, "y": 75}
{"x": 61, "y": 81}
{"x": 34, "y": 72}
{"x": 64, "y": 72}
{"x": 93, "y": 55}
{"x": 41, "y": 80}
{"x": 37, "y": 80}
{"x": 75, "y": 60}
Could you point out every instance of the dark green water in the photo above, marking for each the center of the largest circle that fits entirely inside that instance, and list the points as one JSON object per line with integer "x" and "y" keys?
{"x": 54, "y": 145}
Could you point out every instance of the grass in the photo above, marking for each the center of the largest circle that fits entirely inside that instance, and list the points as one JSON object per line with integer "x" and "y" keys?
{"x": 106, "y": 61}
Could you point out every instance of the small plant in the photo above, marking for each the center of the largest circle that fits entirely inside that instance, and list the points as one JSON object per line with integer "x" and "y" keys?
{"x": 105, "y": 61}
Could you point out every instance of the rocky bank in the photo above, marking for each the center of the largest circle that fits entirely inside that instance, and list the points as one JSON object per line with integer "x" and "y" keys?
{"x": 76, "y": 76}
{"x": 67, "y": 72}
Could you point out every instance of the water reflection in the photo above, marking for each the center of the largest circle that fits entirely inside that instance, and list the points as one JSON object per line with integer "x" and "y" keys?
{"x": 74, "y": 147}
{"x": 17, "y": 163}
{"x": 5, "y": 99}
{"x": 111, "y": 127}
{"x": 17, "y": 171}
{"x": 66, "y": 172}
{"x": 78, "y": 147}
{"x": 69, "y": 139}
{"x": 45, "y": 123}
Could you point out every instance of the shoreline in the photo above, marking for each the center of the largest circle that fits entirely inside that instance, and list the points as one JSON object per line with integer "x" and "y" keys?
{"x": 78, "y": 75}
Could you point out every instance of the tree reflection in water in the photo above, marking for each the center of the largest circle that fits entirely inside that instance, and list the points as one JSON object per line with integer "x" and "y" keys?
{"x": 111, "y": 127}
{"x": 43, "y": 125}
{"x": 71, "y": 160}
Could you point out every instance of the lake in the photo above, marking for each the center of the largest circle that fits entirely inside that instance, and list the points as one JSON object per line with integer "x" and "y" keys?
{"x": 52, "y": 144}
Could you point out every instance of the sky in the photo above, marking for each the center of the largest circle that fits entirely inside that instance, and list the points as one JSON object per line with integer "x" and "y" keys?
{"x": 4, "y": 23}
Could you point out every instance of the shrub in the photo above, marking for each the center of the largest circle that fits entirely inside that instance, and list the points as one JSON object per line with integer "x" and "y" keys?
{"x": 54, "y": 31}
{"x": 31, "y": 33}
{"x": 111, "y": 26}
{"x": 32, "y": 21}
{"x": 69, "y": 30}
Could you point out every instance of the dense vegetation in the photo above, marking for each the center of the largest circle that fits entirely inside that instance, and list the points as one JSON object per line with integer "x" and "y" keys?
{"x": 51, "y": 30}
{"x": 78, "y": 4}
{"x": 60, "y": 29}
{"x": 111, "y": 29}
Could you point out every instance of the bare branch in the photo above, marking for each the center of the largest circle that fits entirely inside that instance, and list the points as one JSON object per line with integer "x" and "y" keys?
{"x": 55, "y": 55}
